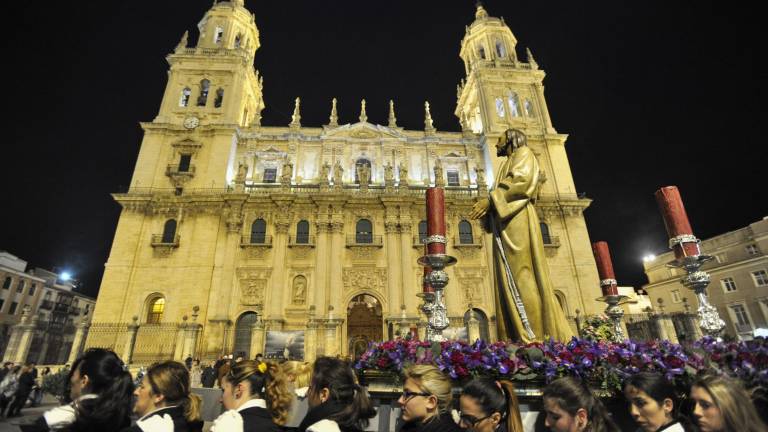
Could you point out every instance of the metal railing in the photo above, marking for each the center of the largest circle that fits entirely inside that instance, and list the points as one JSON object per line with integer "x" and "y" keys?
{"x": 173, "y": 169}
{"x": 160, "y": 240}
{"x": 551, "y": 241}
{"x": 256, "y": 240}
{"x": 46, "y": 304}
{"x": 364, "y": 240}
{"x": 458, "y": 241}
{"x": 301, "y": 240}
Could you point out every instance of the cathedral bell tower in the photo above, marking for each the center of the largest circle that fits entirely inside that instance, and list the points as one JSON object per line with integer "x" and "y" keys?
{"x": 500, "y": 91}
{"x": 213, "y": 90}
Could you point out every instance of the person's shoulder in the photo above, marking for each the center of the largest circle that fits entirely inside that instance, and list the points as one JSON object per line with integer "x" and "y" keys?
{"x": 228, "y": 421}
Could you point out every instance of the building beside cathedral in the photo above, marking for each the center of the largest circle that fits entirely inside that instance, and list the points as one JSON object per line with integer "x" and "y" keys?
{"x": 239, "y": 237}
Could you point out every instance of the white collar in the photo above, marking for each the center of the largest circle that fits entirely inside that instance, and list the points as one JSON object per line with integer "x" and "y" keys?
{"x": 253, "y": 403}
{"x": 156, "y": 410}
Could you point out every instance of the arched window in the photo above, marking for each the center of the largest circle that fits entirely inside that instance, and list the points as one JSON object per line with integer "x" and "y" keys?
{"x": 528, "y": 108}
{"x": 481, "y": 51}
{"x": 205, "y": 86}
{"x": 500, "y": 107}
{"x": 238, "y": 40}
{"x": 155, "y": 310}
{"x": 258, "y": 231}
{"x": 364, "y": 231}
{"x": 501, "y": 51}
{"x": 545, "y": 233}
{"x": 422, "y": 231}
{"x": 185, "y": 95}
{"x": 218, "y": 35}
{"x": 465, "y": 233}
{"x": 482, "y": 321}
{"x": 514, "y": 105}
{"x": 219, "y": 98}
{"x": 302, "y": 232}
{"x": 7, "y": 282}
{"x": 361, "y": 162}
{"x": 169, "y": 231}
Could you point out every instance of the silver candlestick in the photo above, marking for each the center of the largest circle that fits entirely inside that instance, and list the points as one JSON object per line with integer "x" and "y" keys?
{"x": 709, "y": 319}
{"x": 434, "y": 306}
{"x": 615, "y": 312}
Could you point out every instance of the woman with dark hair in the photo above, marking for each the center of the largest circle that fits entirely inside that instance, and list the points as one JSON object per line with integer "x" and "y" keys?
{"x": 336, "y": 402}
{"x": 653, "y": 403}
{"x": 100, "y": 389}
{"x": 426, "y": 400}
{"x": 722, "y": 404}
{"x": 256, "y": 398}
{"x": 570, "y": 406}
{"x": 164, "y": 403}
{"x": 488, "y": 405}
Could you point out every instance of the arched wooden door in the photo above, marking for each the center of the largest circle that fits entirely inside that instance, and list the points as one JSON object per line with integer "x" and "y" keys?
{"x": 243, "y": 330}
{"x": 364, "y": 323}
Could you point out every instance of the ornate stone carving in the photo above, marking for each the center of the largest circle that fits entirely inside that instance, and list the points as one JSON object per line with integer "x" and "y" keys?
{"x": 359, "y": 278}
{"x": 253, "y": 283}
{"x": 362, "y": 252}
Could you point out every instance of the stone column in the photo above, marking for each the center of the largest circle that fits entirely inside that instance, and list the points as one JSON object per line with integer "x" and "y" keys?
{"x": 473, "y": 327}
{"x": 310, "y": 340}
{"x": 321, "y": 279}
{"x": 179, "y": 351}
{"x": 335, "y": 264}
{"x": 44, "y": 347}
{"x": 408, "y": 292}
{"x": 393, "y": 267}
{"x": 257, "y": 338}
{"x": 493, "y": 332}
{"x": 21, "y": 338}
{"x": 422, "y": 328}
{"x": 279, "y": 248}
{"x": 332, "y": 342}
{"x": 81, "y": 332}
{"x": 133, "y": 329}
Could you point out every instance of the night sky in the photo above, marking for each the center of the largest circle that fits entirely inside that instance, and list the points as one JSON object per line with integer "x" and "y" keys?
{"x": 651, "y": 94}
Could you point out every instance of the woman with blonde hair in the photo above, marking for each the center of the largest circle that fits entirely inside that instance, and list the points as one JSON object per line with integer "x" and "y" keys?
{"x": 722, "y": 404}
{"x": 298, "y": 374}
{"x": 164, "y": 402}
{"x": 256, "y": 397}
{"x": 488, "y": 405}
{"x": 426, "y": 400}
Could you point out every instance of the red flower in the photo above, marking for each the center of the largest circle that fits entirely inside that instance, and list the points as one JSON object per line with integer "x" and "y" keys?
{"x": 382, "y": 362}
{"x": 566, "y": 355}
{"x": 461, "y": 371}
{"x": 457, "y": 357}
{"x": 613, "y": 358}
{"x": 673, "y": 361}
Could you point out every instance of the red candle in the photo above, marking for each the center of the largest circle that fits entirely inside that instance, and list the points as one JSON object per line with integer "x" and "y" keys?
{"x": 676, "y": 220}
{"x": 436, "y": 219}
{"x": 605, "y": 268}
{"x": 426, "y": 286}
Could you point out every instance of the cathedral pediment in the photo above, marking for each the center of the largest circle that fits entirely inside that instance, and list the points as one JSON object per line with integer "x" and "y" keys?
{"x": 362, "y": 130}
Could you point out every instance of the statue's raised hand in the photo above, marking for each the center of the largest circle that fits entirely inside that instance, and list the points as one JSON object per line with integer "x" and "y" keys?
{"x": 480, "y": 208}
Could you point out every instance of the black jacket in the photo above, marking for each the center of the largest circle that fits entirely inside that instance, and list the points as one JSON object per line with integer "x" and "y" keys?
{"x": 180, "y": 423}
{"x": 26, "y": 382}
{"x": 258, "y": 420}
{"x": 208, "y": 377}
{"x": 444, "y": 423}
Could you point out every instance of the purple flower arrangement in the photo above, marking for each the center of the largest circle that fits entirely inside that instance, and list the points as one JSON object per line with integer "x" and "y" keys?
{"x": 603, "y": 364}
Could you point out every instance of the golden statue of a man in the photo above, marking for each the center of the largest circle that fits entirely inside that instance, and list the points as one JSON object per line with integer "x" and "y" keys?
{"x": 527, "y": 309}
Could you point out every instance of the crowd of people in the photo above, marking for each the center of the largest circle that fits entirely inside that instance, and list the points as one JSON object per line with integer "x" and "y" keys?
{"x": 327, "y": 397}
{"x": 19, "y": 384}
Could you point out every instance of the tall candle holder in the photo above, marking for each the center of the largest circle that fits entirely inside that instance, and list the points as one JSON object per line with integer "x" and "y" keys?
{"x": 434, "y": 305}
{"x": 688, "y": 257}
{"x": 610, "y": 289}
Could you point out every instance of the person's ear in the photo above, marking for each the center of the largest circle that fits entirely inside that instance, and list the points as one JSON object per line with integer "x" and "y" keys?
{"x": 84, "y": 381}
{"x": 495, "y": 418}
{"x": 668, "y": 406}
{"x": 431, "y": 402}
{"x": 324, "y": 394}
{"x": 581, "y": 419}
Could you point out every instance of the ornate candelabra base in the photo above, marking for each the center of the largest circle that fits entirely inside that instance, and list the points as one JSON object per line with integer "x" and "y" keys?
{"x": 709, "y": 319}
{"x": 615, "y": 313}
{"x": 434, "y": 306}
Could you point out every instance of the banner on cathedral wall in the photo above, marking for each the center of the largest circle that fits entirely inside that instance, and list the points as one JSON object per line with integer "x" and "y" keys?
{"x": 456, "y": 333}
{"x": 284, "y": 345}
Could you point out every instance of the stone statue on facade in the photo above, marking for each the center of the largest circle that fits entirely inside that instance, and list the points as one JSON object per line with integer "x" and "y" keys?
{"x": 287, "y": 173}
{"x": 338, "y": 175}
{"x": 325, "y": 172}
{"x": 364, "y": 174}
{"x": 438, "y": 168}
{"x": 299, "y": 289}
{"x": 389, "y": 175}
{"x": 403, "y": 174}
{"x": 525, "y": 300}
{"x": 242, "y": 171}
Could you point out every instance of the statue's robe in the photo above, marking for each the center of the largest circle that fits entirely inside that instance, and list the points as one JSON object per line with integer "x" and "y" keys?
{"x": 512, "y": 199}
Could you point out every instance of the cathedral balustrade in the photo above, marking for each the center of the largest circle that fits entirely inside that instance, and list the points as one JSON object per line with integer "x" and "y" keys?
{"x": 298, "y": 241}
